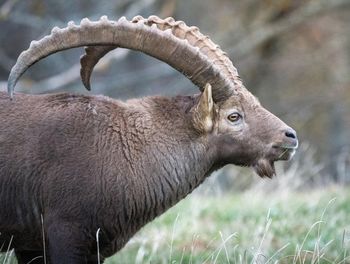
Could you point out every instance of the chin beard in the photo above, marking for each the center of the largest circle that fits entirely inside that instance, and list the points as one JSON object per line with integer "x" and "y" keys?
{"x": 264, "y": 168}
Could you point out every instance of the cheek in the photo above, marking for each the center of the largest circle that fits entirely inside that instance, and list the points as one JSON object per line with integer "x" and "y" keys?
{"x": 241, "y": 136}
{"x": 235, "y": 130}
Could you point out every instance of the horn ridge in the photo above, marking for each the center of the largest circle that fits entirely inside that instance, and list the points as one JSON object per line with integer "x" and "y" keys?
{"x": 182, "y": 47}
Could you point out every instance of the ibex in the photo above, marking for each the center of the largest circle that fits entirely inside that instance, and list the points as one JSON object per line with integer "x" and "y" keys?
{"x": 75, "y": 167}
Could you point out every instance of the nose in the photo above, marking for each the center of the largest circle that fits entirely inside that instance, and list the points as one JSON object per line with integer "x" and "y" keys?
{"x": 291, "y": 136}
{"x": 290, "y": 133}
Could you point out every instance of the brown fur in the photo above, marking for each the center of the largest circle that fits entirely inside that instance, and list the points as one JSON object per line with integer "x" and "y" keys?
{"x": 83, "y": 163}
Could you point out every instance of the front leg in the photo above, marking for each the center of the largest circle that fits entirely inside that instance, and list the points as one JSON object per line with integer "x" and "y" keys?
{"x": 32, "y": 257}
{"x": 94, "y": 259}
{"x": 67, "y": 243}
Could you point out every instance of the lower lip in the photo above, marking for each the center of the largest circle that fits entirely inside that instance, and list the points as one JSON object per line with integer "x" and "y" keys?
{"x": 289, "y": 154}
{"x": 284, "y": 147}
{"x": 282, "y": 153}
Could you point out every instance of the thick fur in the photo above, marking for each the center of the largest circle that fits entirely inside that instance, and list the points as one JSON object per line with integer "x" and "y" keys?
{"x": 82, "y": 163}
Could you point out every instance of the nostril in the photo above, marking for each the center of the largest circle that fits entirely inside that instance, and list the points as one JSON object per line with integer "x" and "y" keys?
{"x": 291, "y": 134}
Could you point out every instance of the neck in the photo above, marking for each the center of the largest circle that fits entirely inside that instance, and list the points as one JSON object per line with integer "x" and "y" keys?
{"x": 177, "y": 160}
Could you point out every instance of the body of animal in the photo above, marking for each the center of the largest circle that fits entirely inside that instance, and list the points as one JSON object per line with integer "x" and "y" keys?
{"x": 74, "y": 167}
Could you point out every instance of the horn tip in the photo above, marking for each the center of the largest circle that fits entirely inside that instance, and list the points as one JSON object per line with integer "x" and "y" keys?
{"x": 87, "y": 84}
{"x": 85, "y": 75}
{"x": 10, "y": 86}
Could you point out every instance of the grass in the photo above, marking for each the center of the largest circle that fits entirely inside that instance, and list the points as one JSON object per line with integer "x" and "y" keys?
{"x": 250, "y": 227}
{"x": 309, "y": 227}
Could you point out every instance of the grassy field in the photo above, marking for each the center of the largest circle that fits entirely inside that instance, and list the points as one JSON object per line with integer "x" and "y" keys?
{"x": 250, "y": 227}
{"x": 308, "y": 227}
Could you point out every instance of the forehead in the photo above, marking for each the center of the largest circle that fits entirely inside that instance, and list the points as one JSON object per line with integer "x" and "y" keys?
{"x": 243, "y": 99}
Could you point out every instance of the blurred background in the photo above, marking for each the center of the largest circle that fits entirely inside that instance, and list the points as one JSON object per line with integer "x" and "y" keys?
{"x": 293, "y": 54}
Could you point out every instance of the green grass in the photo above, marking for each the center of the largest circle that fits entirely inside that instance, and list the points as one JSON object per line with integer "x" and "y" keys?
{"x": 250, "y": 227}
{"x": 309, "y": 227}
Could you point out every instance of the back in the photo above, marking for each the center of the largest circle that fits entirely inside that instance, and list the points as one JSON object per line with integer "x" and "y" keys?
{"x": 44, "y": 141}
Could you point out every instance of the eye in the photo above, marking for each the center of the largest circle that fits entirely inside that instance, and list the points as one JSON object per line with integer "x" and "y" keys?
{"x": 234, "y": 117}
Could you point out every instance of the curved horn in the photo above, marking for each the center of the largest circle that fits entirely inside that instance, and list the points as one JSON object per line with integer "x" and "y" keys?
{"x": 182, "y": 47}
{"x": 88, "y": 61}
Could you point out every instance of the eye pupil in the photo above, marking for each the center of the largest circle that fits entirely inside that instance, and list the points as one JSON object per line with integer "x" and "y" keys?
{"x": 233, "y": 117}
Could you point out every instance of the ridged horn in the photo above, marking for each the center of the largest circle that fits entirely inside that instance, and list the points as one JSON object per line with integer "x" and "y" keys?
{"x": 182, "y": 47}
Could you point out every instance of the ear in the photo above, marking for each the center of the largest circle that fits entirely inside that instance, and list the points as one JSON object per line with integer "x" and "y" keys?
{"x": 203, "y": 112}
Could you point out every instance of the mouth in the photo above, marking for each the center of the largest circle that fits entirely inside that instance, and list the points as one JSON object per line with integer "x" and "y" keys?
{"x": 283, "y": 152}
{"x": 265, "y": 167}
